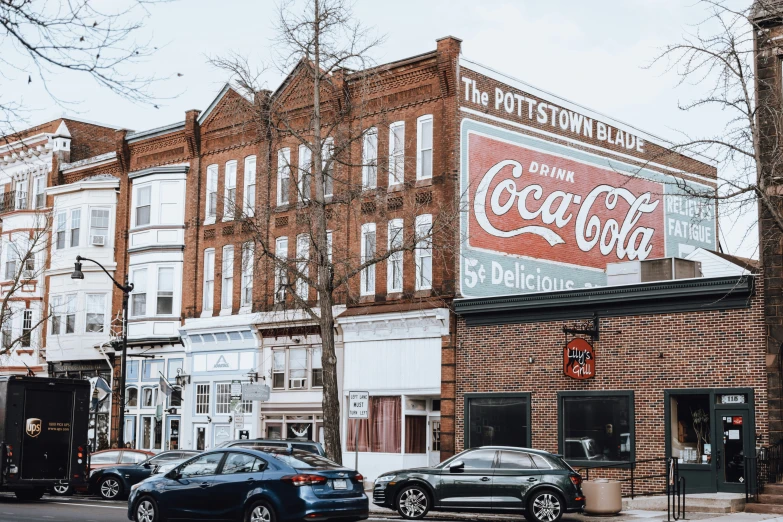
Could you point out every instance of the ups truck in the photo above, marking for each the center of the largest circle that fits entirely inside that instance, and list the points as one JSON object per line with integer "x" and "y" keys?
{"x": 43, "y": 434}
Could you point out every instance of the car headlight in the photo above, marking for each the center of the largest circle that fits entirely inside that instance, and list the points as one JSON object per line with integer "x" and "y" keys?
{"x": 384, "y": 479}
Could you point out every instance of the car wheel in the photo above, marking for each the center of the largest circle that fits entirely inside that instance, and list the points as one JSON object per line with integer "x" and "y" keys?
{"x": 110, "y": 488}
{"x": 63, "y": 490}
{"x": 146, "y": 510}
{"x": 260, "y": 511}
{"x": 544, "y": 506}
{"x": 29, "y": 495}
{"x": 413, "y": 502}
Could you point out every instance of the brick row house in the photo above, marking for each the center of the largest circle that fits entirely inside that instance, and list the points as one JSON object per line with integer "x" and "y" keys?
{"x": 570, "y": 293}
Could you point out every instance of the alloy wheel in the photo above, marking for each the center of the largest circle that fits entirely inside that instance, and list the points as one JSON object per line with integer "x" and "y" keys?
{"x": 145, "y": 512}
{"x": 260, "y": 514}
{"x": 110, "y": 488}
{"x": 61, "y": 490}
{"x": 546, "y": 507}
{"x": 413, "y": 503}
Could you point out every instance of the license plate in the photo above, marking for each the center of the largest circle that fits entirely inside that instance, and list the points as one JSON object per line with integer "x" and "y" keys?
{"x": 340, "y": 484}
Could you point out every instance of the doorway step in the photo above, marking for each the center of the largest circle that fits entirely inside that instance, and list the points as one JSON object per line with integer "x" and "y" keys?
{"x": 770, "y": 501}
{"x": 694, "y": 503}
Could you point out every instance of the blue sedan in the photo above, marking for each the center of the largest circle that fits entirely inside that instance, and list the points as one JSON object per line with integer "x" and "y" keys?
{"x": 250, "y": 485}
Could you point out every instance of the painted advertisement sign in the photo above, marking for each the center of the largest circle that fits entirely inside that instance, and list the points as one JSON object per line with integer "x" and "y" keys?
{"x": 540, "y": 216}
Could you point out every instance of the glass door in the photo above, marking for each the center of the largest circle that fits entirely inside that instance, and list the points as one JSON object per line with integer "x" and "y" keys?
{"x": 733, "y": 442}
{"x": 199, "y": 437}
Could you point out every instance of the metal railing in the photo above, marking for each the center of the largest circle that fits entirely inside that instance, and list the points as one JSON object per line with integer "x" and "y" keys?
{"x": 674, "y": 484}
{"x": 754, "y": 480}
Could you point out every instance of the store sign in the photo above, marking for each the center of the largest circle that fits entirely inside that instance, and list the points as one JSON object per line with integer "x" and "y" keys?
{"x": 255, "y": 392}
{"x": 236, "y": 389}
{"x": 579, "y": 359}
{"x": 540, "y": 216}
{"x": 359, "y": 405}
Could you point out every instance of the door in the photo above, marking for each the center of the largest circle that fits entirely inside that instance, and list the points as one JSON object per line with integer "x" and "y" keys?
{"x": 46, "y": 440}
{"x": 190, "y": 496}
{"x": 172, "y": 433}
{"x": 434, "y": 441}
{"x": 734, "y": 441}
{"x": 469, "y": 486}
{"x": 515, "y": 473}
{"x": 241, "y": 474}
{"x": 199, "y": 437}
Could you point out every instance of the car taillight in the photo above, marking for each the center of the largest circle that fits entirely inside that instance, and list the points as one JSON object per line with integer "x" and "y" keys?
{"x": 304, "y": 479}
{"x": 576, "y": 479}
{"x": 359, "y": 478}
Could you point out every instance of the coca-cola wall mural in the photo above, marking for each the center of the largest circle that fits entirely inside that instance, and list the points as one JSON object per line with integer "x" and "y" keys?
{"x": 539, "y": 216}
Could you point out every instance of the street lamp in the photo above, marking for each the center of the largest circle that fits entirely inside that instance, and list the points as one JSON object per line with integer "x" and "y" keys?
{"x": 126, "y": 289}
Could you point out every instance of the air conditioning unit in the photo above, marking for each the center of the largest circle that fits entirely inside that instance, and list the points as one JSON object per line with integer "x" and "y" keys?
{"x": 97, "y": 240}
{"x": 28, "y": 274}
{"x": 297, "y": 384}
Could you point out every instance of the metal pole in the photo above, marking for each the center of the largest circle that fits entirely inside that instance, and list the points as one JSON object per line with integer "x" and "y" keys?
{"x": 123, "y": 368}
{"x": 356, "y": 446}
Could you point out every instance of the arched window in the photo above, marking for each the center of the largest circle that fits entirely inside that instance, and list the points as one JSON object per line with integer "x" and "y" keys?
{"x": 131, "y": 397}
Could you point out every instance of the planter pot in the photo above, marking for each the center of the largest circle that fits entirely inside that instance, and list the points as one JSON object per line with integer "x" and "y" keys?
{"x": 602, "y": 497}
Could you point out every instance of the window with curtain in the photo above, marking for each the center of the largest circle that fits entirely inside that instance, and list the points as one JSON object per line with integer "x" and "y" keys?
{"x": 139, "y": 294}
{"x": 381, "y": 432}
{"x": 165, "y": 298}
{"x": 396, "y": 152}
{"x": 370, "y": 159}
{"x": 415, "y": 434}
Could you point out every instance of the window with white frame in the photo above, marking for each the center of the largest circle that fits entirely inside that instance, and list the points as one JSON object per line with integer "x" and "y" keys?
{"x": 227, "y": 289}
{"x": 165, "y": 297}
{"x": 149, "y": 397}
{"x": 302, "y": 260}
{"x": 248, "y": 263}
{"x": 202, "y": 399}
{"x": 283, "y": 175}
{"x": 169, "y": 197}
{"x": 396, "y": 153}
{"x": 305, "y": 172}
{"x": 423, "y": 252}
{"x": 60, "y": 230}
{"x": 370, "y": 158}
{"x": 6, "y": 334}
{"x": 139, "y": 294}
{"x": 12, "y": 259}
{"x": 327, "y": 150}
{"x": 424, "y": 147}
{"x": 278, "y": 369}
{"x": 39, "y": 195}
{"x": 297, "y": 368}
{"x": 317, "y": 372}
{"x": 70, "y": 313}
{"x": 27, "y": 328}
{"x": 76, "y": 224}
{"x": 211, "y": 201}
{"x": 368, "y": 254}
{"x": 96, "y": 310}
{"x": 250, "y": 186}
{"x": 142, "y": 212}
{"x": 281, "y": 273}
{"x": 21, "y": 194}
{"x": 132, "y": 397}
{"x": 394, "y": 263}
{"x": 223, "y": 398}
{"x": 56, "y": 314}
{"x": 230, "y": 191}
{"x": 209, "y": 278}
{"x": 99, "y": 226}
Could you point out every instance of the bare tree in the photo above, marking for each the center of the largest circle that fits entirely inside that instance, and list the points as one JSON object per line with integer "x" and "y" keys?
{"x": 23, "y": 271}
{"x": 328, "y": 128}
{"x": 98, "y": 39}
{"x": 719, "y": 55}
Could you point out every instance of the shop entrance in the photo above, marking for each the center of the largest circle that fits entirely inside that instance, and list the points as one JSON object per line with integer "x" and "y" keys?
{"x": 709, "y": 431}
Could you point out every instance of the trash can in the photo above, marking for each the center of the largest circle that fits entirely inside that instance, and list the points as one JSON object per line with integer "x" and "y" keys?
{"x": 602, "y": 497}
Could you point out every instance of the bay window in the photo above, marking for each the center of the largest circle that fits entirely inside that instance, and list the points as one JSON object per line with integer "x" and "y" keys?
{"x": 56, "y": 314}
{"x": 596, "y": 426}
{"x": 227, "y": 288}
{"x": 60, "y": 230}
{"x": 423, "y": 252}
{"x": 211, "y": 201}
{"x": 370, "y": 158}
{"x": 143, "y": 205}
{"x": 283, "y": 175}
{"x": 76, "y": 223}
{"x": 394, "y": 262}
{"x": 396, "y": 153}
{"x": 70, "y": 313}
{"x": 230, "y": 191}
{"x": 165, "y": 297}
{"x": 368, "y": 254}
{"x": 96, "y": 310}
{"x": 424, "y": 147}
{"x": 250, "y": 186}
{"x": 99, "y": 226}
{"x": 139, "y": 294}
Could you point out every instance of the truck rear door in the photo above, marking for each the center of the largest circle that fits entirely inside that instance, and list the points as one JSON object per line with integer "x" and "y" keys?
{"x": 46, "y": 441}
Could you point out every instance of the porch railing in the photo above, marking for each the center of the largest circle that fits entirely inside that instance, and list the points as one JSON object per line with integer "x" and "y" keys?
{"x": 766, "y": 467}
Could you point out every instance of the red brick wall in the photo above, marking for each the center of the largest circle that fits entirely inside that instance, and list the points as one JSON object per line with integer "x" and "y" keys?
{"x": 714, "y": 349}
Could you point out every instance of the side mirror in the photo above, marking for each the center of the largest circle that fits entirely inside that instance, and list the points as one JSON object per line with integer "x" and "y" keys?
{"x": 147, "y": 465}
{"x": 174, "y": 474}
{"x": 456, "y": 466}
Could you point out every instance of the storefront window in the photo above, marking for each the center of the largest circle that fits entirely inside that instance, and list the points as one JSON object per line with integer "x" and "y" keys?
{"x": 597, "y": 427}
{"x": 381, "y": 432}
{"x": 497, "y": 421}
{"x": 415, "y": 434}
{"x": 173, "y": 442}
{"x": 690, "y": 428}
{"x": 274, "y": 431}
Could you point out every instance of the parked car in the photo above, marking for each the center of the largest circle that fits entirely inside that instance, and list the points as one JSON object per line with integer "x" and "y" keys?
{"x": 296, "y": 444}
{"x": 113, "y": 483}
{"x": 489, "y": 479}
{"x": 245, "y": 484}
{"x": 582, "y": 448}
{"x": 105, "y": 459}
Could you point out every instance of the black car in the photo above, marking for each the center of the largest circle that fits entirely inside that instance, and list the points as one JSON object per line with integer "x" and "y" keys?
{"x": 291, "y": 444}
{"x": 115, "y": 482}
{"x": 242, "y": 484}
{"x": 489, "y": 479}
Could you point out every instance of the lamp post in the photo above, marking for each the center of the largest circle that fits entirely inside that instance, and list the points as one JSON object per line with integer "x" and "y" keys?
{"x": 126, "y": 289}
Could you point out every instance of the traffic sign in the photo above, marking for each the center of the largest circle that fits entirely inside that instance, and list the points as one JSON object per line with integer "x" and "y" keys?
{"x": 358, "y": 405}
{"x": 236, "y": 389}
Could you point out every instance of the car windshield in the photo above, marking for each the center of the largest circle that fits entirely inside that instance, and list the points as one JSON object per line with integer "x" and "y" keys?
{"x": 590, "y": 447}
{"x": 305, "y": 460}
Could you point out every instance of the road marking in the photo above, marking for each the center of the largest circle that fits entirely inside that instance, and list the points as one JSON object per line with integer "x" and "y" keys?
{"x": 87, "y": 505}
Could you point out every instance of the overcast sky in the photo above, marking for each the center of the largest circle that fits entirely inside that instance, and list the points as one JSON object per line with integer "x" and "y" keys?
{"x": 592, "y": 53}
